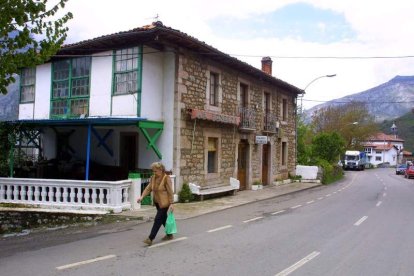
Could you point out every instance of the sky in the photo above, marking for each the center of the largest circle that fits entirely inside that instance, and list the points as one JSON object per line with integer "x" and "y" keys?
{"x": 365, "y": 43}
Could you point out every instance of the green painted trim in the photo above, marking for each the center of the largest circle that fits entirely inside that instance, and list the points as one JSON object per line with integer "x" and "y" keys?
{"x": 113, "y": 80}
{"x": 20, "y": 86}
{"x": 159, "y": 126}
{"x": 139, "y": 81}
{"x": 69, "y": 98}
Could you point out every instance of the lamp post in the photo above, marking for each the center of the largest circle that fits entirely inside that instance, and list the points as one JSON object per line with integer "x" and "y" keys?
{"x": 312, "y": 81}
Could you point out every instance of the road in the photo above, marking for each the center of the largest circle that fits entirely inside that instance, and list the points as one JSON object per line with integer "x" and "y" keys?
{"x": 362, "y": 225}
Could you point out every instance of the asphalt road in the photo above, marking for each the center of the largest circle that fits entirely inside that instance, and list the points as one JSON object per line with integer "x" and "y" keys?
{"x": 362, "y": 225}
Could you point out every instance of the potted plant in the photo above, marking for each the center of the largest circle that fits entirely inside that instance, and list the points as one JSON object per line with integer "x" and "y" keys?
{"x": 257, "y": 185}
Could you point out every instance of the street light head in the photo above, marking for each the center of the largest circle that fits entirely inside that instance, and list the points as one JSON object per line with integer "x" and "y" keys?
{"x": 331, "y": 76}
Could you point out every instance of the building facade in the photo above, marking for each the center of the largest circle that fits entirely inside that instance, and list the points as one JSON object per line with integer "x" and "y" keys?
{"x": 383, "y": 148}
{"x": 119, "y": 102}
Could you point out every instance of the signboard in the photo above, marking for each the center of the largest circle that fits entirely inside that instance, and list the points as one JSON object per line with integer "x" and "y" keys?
{"x": 261, "y": 139}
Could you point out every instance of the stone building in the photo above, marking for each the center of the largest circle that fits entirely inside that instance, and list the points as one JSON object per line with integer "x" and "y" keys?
{"x": 153, "y": 93}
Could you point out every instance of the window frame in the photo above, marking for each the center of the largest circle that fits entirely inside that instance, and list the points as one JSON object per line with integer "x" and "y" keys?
{"x": 30, "y": 85}
{"x": 69, "y": 99}
{"x": 138, "y": 69}
{"x": 284, "y": 153}
{"x": 214, "y": 89}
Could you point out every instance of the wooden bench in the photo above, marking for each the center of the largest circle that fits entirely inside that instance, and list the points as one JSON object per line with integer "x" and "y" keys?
{"x": 233, "y": 187}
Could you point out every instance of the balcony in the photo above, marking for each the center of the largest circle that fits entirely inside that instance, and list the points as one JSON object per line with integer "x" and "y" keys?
{"x": 247, "y": 119}
{"x": 270, "y": 123}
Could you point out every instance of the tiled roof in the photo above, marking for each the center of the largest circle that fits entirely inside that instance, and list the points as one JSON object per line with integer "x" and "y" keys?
{"x": 385, "y": 137}
{"x": 159, "y": 36}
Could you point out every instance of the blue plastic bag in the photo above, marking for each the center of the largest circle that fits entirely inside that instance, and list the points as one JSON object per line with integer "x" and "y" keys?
{"x": 170, "y": 225}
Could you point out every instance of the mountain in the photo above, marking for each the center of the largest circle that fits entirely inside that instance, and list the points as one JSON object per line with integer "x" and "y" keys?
{"x": 386, "y": 101}
{"x": 405, "y": 129}
{"x": 9, "y": 103}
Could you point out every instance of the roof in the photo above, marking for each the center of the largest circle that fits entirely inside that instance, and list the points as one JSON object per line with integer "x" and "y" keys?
{"x": 105, "y": 121}
{"x": 159, "y": 36}
{"x": 385, "y": 137}
{"x": 387, "y": 146}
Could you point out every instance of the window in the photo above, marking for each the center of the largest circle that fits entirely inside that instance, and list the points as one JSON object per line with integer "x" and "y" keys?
{"x": 214, "y": 89}
{"x": 70, "y": 87}
{"x": 212, "y": 157}
{"x": 267, "y": 102}
{"x": 244, "y": 96}
{"x": 284, "y": 153}
{"x": 368, "y": 150}
{"x": 126, "y": 67}
{"x": 284, "y": 109}
{"x": 27, "y": 85}
{"x": 378, "y": 152}
{"x": 378, "y": 158}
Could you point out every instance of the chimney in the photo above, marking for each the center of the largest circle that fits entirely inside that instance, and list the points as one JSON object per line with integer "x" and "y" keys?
{"x": 267, "y": 65}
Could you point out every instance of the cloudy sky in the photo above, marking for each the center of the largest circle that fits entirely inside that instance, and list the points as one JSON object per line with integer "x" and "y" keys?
{"x": 366, "y": 43}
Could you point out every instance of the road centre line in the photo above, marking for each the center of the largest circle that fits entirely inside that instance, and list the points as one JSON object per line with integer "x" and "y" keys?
{"x": 384, "y": 194}
{"x": 85, "y": 262}
{"x": 309, "y": 202}
{"x": 360, "y": 221}
{"x": 253, "y": 219}
{"x": 219, "y": 228}
{"x": 320, "y": 198}
{"x": 297, "y": 265}
{"x": 278, "y": 212}
{"x": 328, "y": 195}
{"x": 167, "y": 242}
{"x": 297, "y": 206}
{"x": 379, "y": 203}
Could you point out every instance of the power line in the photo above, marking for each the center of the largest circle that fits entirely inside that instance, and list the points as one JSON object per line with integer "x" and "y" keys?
{"x": 366, "y": 102}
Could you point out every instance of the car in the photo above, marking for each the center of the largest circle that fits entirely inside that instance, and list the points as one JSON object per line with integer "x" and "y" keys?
{"x": 409, "y": 172}
{"x": 400, "y": 169}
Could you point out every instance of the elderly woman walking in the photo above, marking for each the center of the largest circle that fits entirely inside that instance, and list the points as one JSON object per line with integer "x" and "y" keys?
{"x": 161, "y": 187}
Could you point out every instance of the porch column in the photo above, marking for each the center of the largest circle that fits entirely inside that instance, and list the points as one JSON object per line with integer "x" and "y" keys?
{"x": 88, "y": 152}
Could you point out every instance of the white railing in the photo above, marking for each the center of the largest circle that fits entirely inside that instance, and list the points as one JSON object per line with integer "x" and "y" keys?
{"x": 71, "y": 194}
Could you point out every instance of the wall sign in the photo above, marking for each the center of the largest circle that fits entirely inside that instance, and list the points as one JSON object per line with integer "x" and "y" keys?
{"x": 261, "y": 140}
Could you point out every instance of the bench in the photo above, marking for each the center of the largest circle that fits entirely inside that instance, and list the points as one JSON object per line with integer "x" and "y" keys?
{"x": 197, "y": 190}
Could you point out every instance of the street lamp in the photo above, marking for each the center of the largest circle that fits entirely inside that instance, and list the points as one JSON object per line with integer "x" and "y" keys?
{"x": 304, "y": 89}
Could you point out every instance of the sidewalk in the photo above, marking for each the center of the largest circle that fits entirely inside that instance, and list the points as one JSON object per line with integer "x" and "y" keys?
{"x": 197, "y": 208}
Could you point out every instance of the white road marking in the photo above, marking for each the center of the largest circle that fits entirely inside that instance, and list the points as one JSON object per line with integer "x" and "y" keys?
{"x": 297, "y": 265}
{"x": 384, "y": 194}
{"x": 297, "y": 206}
{"x": 334, "y": 192}
{"x": 219, "y": 228}
{"x": 309, "y": 202}
{"x": 85, "y": 262}
{"x": 320, "y": 198}
{"x": 379, "y": 203}
{"x": 361, "y": 220}
{"x": 167, "y": 242}
{"x": 278, "y": 212}
{"x": 328, "y": 195}
{"x": 385, "y": 188}
{"x": 253, "y": 219}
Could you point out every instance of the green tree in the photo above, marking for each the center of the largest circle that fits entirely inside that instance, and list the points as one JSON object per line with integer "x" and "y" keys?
{"x": 328, "y": 146}
{"x": 29, "y": 35}
{"x": 352, "y": 121}
{"x": 304, "y": 143}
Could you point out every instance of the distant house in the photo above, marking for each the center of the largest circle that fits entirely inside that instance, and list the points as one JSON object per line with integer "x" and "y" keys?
{"x": 383, "y": 148}
{"x": 110, "y": 105}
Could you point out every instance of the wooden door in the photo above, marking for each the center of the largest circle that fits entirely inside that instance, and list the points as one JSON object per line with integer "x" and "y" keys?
{"x": 242, "y": 164}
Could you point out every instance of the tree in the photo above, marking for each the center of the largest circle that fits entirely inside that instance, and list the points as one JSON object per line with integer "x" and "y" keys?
{"x": 29, "y": 35}
{"x": 328, "y": 146}
{"x": 304, "y": 142}
{"x": 352, "y": 121}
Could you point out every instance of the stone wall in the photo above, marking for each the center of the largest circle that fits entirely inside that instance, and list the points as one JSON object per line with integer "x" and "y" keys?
{"x": 193, "y": 79}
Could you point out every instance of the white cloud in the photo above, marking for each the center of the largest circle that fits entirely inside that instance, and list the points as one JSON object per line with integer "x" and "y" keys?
{"x": 383, "y": 28}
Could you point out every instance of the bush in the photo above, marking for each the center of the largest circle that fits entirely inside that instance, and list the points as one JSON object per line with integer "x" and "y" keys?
{"x": 185, "y": 195}
{"x": 330, "y": 173}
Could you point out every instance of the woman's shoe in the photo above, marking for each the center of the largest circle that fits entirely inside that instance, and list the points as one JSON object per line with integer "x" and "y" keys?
{"x": 148, "y": 241}
{"x": 168, "y": 237}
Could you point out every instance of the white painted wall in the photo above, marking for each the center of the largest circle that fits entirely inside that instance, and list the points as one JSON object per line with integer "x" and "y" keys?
{"x": 26, "y": 111}
{"x": 124, "y": 105}
{"x": 43, "y": 90}
{"x": 101, "y": 84}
